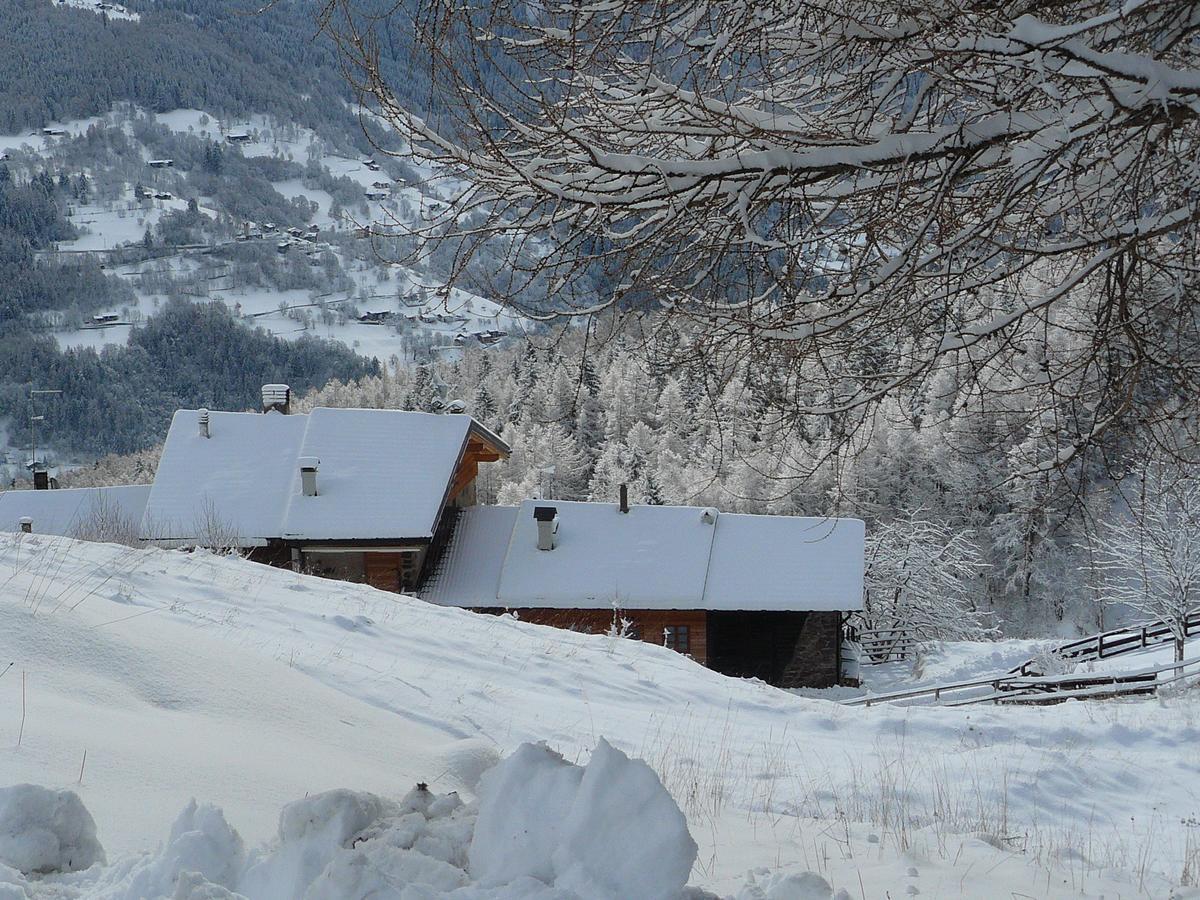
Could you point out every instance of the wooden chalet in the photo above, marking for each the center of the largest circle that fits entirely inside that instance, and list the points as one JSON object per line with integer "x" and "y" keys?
{"x": 359, "y": 494}
{"x": 749, "y": 596}
{"x": 387, "y": 497}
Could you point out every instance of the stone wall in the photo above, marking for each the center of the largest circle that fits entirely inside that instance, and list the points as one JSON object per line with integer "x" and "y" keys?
{"x": 816, "y": 656}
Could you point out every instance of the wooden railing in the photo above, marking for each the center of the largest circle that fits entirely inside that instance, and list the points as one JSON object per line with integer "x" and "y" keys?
{"x": 1041, "y": 689}
{"x": 879, "y": 645}
{"x": 1114, "y": 643}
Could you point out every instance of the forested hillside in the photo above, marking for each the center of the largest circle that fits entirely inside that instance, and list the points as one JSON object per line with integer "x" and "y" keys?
{"x": 121, "y": 399}
{"x": 59, "y": 62}
{"x": 65, "y": 195}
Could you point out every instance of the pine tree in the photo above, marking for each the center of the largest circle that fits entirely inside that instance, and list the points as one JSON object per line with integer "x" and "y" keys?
{"x": 484, "y": 407}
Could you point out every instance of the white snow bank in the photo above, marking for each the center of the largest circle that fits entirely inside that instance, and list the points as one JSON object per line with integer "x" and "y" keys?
{"x": 311, "y": 831}
{"x": 523, "y": 804}
{"x": 767, "y": 885}
{"x": 608, "y": 830}
{"x": 546, "y": 830}
{"x": 202, "y": 859}
{"x": 44, "y": 831}
{"x": 624, "y": 835}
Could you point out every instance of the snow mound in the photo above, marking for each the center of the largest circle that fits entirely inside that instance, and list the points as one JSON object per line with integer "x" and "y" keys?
{"x": 202, "y": 860}
{"x": 311, "y": 832}
{"x": 607, "y": 830}
{"x": 43, "y": 831}
{"x": 544, "y": 829}
{"x": 466, "y": 760}
{"x": 523, "y": 804}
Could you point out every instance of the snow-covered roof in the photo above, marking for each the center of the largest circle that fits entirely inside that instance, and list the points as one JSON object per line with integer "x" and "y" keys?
{"x": 381, "y": 475}
{"x": 653, "y": 557}
{"x": 769, "y": 562}
{"x": 74, "y": 512}
{"x": 470, "y": 571}
{"x": 236, "y": 481}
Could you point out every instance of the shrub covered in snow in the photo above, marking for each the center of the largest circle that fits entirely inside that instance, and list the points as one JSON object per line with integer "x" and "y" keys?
{"x": 44, "y": 831}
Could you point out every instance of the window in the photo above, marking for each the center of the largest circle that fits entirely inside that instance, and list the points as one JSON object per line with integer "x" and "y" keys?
{"x": 675, "y": 637}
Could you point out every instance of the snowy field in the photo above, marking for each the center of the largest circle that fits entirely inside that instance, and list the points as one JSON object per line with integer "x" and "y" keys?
{"x": 248, "y": 688}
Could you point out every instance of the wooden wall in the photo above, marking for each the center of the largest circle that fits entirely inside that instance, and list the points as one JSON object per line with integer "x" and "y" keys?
{"x": 383, "y": 570}
{"x": 647, "y": 624}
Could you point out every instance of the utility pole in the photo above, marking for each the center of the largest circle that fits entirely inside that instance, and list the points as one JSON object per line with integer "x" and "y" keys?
{"x": 34, "y": 419}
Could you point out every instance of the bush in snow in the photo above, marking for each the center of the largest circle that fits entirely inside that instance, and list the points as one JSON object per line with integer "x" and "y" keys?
{"x": 44, "y": 831}
{"x": 922, "y": 575}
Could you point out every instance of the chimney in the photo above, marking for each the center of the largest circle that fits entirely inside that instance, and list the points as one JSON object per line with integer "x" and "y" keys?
{"x": 624, "y": 507}
{"x": 276, "y": 397}
{"x": 547, "y": 525}
{"x": 202, "y": 420}
{"x": 26, "y": 524}
{"x": 308, "y": 475}
{"x": 41, "y": 480}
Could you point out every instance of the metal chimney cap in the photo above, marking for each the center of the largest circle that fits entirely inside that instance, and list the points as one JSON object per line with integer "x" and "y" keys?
{"x": 25, "y": 520}
{"x": 308, "y": 463}
{"x": 545, "y": 513}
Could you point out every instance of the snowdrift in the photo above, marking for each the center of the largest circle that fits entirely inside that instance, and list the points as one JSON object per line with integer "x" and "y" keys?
{"x": 609, "y": 831}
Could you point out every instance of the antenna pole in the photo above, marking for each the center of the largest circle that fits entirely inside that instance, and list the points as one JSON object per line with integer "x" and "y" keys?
{"x": 34, "y": 419}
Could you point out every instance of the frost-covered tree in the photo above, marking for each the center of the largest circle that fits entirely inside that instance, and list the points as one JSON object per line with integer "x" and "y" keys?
{"x": 923, "y": 576}
{"x": 859, "y": 197}
{"x": 1148, "y": 553}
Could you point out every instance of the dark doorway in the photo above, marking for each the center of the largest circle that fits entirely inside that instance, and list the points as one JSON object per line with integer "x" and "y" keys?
{"x": 754, "y": 644}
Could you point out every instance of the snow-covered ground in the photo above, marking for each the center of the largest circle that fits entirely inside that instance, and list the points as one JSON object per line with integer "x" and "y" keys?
{"x": 192, "y": 675}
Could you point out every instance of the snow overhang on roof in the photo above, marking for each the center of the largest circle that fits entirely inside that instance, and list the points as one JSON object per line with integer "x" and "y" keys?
{"x": 653, "y": 557}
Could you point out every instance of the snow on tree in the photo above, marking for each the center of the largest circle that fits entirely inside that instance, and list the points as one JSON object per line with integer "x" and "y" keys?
{"x": 1148, "y": 555}
{"x": 923, "y": 576}
{"x": 859, "y": 197}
